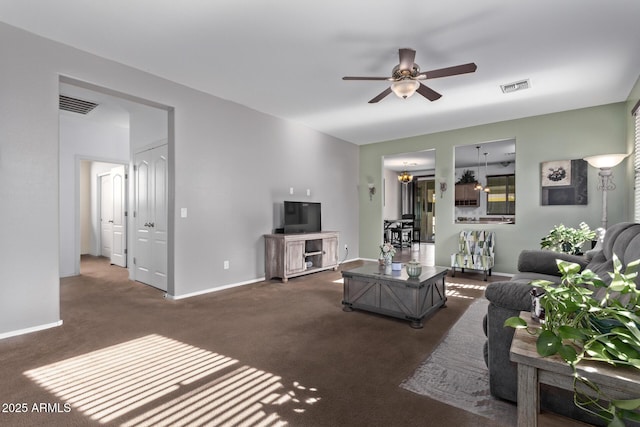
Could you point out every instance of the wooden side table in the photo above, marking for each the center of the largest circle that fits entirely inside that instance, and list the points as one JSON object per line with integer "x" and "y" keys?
{"x": 533, "y": 370}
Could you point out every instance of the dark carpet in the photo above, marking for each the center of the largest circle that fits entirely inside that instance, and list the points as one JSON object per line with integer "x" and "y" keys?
{"x": 268, "y": 353}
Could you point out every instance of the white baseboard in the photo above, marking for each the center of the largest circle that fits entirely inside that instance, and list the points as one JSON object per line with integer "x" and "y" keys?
{"x": 30, "y": 330}
{"x": 216, "y": 289}
{"x": 351, "y": 260}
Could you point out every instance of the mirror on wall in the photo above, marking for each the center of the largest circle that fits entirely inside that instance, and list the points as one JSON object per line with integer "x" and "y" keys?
{"x": 485, "y": 183}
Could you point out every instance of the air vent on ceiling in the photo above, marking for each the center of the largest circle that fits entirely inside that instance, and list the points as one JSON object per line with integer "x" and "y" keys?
{"x": 76, "y": 105}
{"x": 516, "y": 86}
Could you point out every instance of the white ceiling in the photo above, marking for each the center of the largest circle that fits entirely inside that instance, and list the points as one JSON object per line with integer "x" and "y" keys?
{"x": 287, "y": 57}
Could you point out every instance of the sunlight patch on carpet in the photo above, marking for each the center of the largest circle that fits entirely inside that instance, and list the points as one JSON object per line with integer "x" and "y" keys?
{"x": 453, "y": 289}
{"x": 195, "y": 386}
{"x": 455, "y": 373}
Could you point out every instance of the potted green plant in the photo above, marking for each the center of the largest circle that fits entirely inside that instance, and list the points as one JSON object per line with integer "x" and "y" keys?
{"x": 567, "y": 239}
{"x": 467, "y": 177}
{"x": 578, "y": 326}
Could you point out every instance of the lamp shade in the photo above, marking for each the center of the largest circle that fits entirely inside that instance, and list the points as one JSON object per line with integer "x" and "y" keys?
{"x": 405, "y": 88}
{"x": 604, "y": 161}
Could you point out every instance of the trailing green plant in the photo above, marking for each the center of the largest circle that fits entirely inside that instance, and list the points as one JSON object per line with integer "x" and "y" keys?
{"x": 567, "y": 239}
{"x": 583, "y": 324}
{"x": 468, "y": 177}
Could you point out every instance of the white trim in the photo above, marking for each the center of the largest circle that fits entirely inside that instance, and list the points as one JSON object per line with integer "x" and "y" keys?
{"x": 229, "y": 286}
{"x": 210, "y": 290}
{"x": 29, "y": 330}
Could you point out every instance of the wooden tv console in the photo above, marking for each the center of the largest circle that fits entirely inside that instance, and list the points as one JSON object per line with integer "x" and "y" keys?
{"x": 288, "y": 255}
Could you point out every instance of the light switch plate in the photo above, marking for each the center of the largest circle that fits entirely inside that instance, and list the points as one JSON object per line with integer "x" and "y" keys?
{"x": 183, "y": 212}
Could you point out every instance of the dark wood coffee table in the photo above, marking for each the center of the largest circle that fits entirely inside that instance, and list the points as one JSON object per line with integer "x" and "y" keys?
{"x": 377, "y": 289}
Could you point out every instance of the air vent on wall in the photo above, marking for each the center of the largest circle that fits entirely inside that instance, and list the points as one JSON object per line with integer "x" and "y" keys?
{"x": 513, "y": 87}
{"x": 76, "y": 105}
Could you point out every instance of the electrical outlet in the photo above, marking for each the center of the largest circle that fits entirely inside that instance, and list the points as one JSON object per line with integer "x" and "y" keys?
{"x": 226, "y": 265}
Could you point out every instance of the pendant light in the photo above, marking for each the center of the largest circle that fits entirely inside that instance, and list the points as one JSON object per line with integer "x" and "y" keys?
{"x": 486, "y": 188}
{"x": 478, "y": 186}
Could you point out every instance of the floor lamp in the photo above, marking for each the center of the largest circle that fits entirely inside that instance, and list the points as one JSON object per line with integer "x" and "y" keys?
{"x": 605, "y": 163}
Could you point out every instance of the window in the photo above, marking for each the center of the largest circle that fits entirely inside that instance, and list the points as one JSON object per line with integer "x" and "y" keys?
{"x": 501, "y": 199}
{"x": 636, "y": 163}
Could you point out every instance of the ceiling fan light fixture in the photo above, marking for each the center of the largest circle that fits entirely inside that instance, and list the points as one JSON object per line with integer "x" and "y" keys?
{"x": 405, "y": 88}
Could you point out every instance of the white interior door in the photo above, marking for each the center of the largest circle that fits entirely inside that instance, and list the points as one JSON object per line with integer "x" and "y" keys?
{"x": 106, "y": 216}
{"x": 118, "y": 180}
{"x": 150, "y": 217}
{"x": 160, "y": 213}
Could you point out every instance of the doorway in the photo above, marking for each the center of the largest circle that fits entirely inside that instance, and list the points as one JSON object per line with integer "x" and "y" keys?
{"x": 425, "y": 209}
{"x": 409, "y": 203}
{"x": 117, "y": 126}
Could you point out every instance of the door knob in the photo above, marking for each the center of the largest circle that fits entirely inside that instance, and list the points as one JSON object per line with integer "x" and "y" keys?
{"x": 111, "y": 221}
{"x": 152, "y": 224}
{"x": 146, "y": 224}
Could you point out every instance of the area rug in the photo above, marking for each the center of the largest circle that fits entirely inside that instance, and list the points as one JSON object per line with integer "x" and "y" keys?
{"x": 455, "y": 373}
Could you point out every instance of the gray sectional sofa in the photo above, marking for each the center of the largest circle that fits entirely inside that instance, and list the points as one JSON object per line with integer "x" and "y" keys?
{"x": 508, "y": 298}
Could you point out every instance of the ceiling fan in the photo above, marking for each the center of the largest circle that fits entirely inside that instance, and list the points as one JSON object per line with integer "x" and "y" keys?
{"x": 406, "y": 77}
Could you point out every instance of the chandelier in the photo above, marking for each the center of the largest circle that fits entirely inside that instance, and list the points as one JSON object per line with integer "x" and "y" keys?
{"x": 405, "y": 177}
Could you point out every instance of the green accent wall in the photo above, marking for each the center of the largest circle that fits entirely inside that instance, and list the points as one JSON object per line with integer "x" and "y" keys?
{"x": 558, "y": 136}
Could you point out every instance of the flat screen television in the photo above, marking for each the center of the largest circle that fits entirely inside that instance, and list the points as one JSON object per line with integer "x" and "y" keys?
{"x": 302, "y": 217}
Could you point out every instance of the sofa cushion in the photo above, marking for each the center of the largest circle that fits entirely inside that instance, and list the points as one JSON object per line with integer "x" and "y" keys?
{"x": 545, "y": 262}
{"x": 512, "y": 295}
{"x": 528, "y": 277}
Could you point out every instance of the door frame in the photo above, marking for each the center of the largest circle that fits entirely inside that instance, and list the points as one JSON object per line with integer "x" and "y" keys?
{"x": 170, "y": 140}
{"x": 93, "y": 180}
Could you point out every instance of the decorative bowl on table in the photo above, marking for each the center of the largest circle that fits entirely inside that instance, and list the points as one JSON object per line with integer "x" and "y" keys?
{"x": 414, "y": 268}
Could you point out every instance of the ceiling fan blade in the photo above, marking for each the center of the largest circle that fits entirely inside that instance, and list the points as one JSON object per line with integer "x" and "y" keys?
{"x": 450, "y": 71}
{"x": 407, "y": 58}
{"x": 366, "y": 78}
{"x": 381, "y": 95}
{"x": 428, "y": 93}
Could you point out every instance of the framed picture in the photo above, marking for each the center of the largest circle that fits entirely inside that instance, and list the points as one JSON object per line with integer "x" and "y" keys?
{"x": 564, "y": 182}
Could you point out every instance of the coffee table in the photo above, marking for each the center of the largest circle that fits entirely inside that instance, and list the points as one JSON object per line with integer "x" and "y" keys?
{"x": 378, "y": 289}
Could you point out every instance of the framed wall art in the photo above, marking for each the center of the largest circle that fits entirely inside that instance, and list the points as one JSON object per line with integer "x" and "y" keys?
{"x": 564, "y": 182}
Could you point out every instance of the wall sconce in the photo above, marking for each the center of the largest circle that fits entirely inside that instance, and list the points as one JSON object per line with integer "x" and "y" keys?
{"x": 443, "y": 186}
{"x": 605, "y": 163}
{"x": 372, "y": 191}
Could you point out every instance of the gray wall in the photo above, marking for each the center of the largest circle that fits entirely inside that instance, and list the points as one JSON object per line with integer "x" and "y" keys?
{"x": 232, "y": 167}
{"x": 566, "y": 135}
